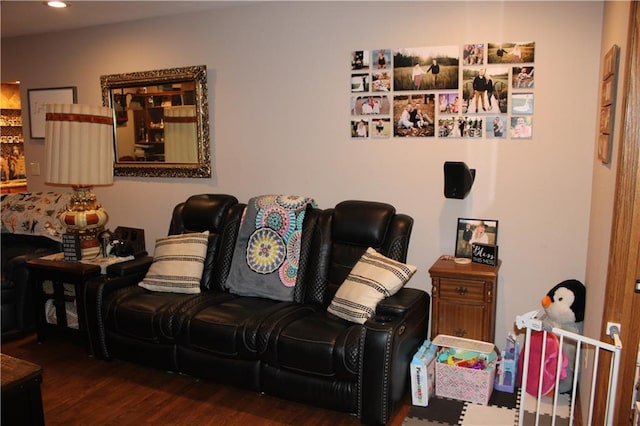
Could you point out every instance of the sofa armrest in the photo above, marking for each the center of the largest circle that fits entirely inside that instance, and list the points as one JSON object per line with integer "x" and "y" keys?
{"x": 390, "y": 340}
{"x": 130, "y": 267}
{"x": 400, "y": 303}
{"x": 20, "y": 260}
{"x": 96, "y": 290}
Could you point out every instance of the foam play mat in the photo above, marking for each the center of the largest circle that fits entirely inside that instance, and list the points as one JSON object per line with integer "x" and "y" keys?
{"x": 502, "y": 410}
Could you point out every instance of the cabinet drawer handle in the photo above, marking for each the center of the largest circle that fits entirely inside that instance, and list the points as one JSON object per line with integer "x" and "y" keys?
{"x": 460, "y": 332}
{"x": 461, "y": 290}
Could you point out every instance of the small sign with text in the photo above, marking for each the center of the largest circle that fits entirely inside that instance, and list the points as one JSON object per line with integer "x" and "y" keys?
{"x": 71, "y": 247}
{"x": 485, "y": 254}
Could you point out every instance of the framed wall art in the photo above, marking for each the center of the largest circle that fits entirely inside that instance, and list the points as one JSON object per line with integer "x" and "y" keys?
{"x": 607, "y": 104}
{"x": 610, "y": 62}
{"x": 605, "y": 120}
{"x": 474, "y": 231}
{"x": 38, "y": 100}
{"x": 470, "y": 91}
{"x": 606, "y": 93}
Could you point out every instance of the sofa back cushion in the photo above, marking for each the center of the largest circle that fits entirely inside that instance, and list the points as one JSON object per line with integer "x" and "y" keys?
{"x": 341, "y": 237}
{"x": 203, "y": 212}
{"x": 219, "y": 214}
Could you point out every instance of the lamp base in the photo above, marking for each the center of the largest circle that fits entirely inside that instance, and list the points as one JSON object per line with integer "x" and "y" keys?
{"x": 86, "y": 218}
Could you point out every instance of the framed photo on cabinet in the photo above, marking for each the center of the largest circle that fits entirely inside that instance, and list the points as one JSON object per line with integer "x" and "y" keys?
{"x": 474, "y": 231}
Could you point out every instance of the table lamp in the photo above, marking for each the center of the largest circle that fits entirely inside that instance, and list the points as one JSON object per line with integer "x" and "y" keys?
{"x": 79, "y": 152}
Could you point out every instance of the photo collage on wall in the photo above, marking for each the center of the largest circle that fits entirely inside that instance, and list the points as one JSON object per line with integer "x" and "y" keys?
{"x": 430, "y": 92}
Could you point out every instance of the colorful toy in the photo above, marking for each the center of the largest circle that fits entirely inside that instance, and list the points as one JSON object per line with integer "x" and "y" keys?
{"x": 506, "y": 373}
{"x": 465, "y": 358}
{"x": 550, "y": 364}
{"x": 564, "y": 307}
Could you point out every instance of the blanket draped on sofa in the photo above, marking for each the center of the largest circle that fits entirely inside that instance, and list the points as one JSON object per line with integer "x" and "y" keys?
{"x": 34, "y": 213}
{"x": 265, "y": 260}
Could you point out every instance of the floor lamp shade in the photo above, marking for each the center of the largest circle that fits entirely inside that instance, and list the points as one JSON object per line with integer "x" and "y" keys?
{"x": 79, "y": 153}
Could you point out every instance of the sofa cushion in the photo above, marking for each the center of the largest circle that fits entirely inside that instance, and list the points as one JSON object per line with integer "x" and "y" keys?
{"x": 237, "y": 327}
{"x": 372, "y": 279}
{"x": 151, "y": 316}
{"x": 320, "y": 345}
{"x": 178, "y": 263}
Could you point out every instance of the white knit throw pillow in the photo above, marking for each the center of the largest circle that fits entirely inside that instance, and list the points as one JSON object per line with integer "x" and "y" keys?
{"x": 178, "y": 262}
{"x": 372, "y": 279}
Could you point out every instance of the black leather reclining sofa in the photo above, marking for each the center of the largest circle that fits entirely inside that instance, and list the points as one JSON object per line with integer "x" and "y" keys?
{"x": 293, "y": 350}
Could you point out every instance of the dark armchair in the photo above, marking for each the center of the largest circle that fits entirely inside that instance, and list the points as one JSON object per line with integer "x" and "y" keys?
{"x": 17, "y": 305}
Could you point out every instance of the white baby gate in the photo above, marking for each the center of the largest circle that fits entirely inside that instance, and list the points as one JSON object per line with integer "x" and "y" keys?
{"x": 531, "y": 322}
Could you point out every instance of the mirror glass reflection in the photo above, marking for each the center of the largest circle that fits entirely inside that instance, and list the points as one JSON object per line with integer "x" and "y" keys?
{"x": 156, "y": 123}
{"x": 161, "y": 122}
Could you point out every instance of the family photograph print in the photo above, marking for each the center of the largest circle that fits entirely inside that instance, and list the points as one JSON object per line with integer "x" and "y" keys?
{"x": 426, "y": 68}
{"x": 472, "y": 231}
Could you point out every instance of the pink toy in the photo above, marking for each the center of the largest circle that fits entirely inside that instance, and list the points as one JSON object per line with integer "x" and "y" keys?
{"x": 550, "y": 364}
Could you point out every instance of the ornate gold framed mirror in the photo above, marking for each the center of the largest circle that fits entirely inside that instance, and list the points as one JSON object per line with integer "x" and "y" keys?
{"x": 161, "y": 122}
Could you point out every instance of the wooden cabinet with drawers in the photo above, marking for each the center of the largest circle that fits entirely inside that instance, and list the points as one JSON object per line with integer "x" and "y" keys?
{"x": 463, "y": 299}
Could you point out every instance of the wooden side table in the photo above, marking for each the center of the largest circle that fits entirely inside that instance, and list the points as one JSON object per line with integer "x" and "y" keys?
{"x": 59, "y": 272}
{"x": 464, "y": 299}
{"x": 21, "y": 394}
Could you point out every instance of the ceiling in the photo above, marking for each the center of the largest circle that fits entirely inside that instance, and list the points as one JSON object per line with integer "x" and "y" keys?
{"x": 29, "y": 17}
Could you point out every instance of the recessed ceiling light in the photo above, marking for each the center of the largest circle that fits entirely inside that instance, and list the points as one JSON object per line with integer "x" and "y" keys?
{"x": 57, "y": 4}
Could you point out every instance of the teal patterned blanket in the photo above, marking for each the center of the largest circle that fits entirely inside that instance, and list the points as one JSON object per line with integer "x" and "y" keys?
{"x": 265, "y": 258}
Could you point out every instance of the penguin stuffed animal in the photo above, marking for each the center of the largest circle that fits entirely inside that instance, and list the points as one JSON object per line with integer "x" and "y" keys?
{"x": 564, "y": 307}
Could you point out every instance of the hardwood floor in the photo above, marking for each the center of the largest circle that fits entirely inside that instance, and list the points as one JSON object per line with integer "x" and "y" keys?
{"x": 80, "y": 390}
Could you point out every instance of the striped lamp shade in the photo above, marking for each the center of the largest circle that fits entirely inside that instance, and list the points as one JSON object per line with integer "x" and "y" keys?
{"x": 79, "y": 145}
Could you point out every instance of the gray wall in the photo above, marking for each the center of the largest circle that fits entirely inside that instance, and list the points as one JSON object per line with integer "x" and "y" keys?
{"x": 279, "y": 106}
